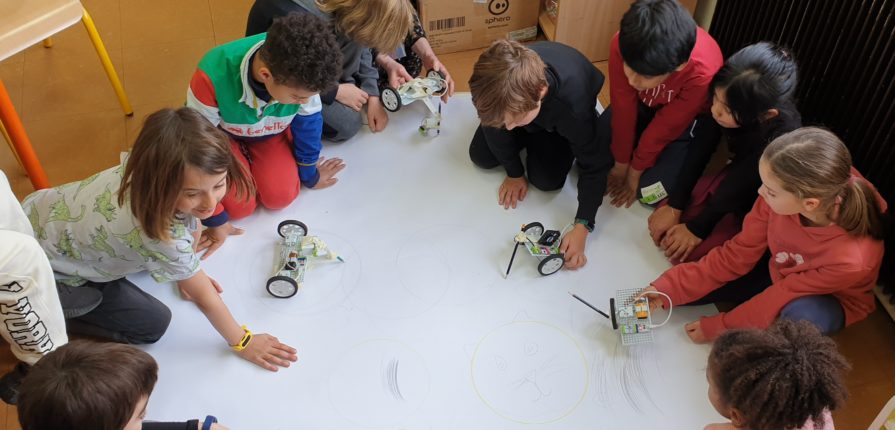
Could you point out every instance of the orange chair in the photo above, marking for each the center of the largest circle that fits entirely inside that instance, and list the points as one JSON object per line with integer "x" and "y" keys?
{"x": 23, "y": 25}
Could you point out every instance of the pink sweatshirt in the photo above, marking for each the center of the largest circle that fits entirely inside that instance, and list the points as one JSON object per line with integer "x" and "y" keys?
{"x": 805, "y": 261}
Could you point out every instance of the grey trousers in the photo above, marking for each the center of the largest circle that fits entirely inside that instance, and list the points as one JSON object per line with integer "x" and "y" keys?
{"x": 340, "y": 122}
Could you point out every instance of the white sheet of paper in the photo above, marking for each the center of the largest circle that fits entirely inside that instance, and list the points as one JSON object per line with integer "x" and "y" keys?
{"x": 418, "y": 329}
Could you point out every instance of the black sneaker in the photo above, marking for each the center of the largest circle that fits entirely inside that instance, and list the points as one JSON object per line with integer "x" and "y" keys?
{"x": 78, "y": 301}
{"x": 10, "y": 382}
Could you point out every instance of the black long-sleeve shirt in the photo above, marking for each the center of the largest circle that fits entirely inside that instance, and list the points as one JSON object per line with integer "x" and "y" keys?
{"x": 569, "y": 110}
{"x": 737, "y": 191}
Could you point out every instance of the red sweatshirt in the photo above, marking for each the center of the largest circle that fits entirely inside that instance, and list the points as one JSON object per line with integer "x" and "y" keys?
{"x": 681, "y": 97}
{"x": 805, "y": 261}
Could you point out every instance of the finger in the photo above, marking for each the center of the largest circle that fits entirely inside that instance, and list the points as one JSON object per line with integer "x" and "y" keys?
{"x": 236, "y": 231}
{"x": 275, "y": 360}
{"x": 216, "y": 285}
{"x": 263, "y": 363}
{"x": 286, "y": 349}
{"x": 687, "y": 253}
{"x": 522, "y": 193}
{"x": 514, "y": 197}
{"x": 211, "y": 249}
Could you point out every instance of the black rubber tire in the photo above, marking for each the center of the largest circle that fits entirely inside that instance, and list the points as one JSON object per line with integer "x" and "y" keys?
{"x": 548, "y": 265}
{"x": 390, "y": 99}
{"x": 287, "y": 279}
{"x": 292, "y": 222}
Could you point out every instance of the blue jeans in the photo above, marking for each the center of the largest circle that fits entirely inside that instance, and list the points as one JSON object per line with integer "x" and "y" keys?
{"x": 825, "y": 312}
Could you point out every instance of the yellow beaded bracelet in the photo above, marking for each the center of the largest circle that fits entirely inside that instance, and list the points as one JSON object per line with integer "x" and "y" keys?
{"x": 244, "y": 342}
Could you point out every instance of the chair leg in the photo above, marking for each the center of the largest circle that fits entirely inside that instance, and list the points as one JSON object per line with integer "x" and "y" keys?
{"x": 20, "y": 141}
{"x": 11, "y": 147}
{"x": 107, "y": 64}
{"x": 48, "y": 42}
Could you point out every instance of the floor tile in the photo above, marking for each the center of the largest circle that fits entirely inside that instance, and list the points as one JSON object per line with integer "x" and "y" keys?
{"x": 229, "y": 19}
{"x": 162, "y": 72}
{"x": 59, "y": 81}
{"x": 73, "y": 147}
{"x": 164, "y": 21}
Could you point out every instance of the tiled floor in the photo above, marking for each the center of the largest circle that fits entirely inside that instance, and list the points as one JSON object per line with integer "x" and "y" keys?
{"x": 71, "y": 114}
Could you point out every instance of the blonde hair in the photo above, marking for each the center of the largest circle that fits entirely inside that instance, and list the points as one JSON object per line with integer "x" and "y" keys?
{"x": 813, "y": 163}
{"x": 171, "y": 140}
{"x": 378, "y": 24}
{"x": 506, "y": 79}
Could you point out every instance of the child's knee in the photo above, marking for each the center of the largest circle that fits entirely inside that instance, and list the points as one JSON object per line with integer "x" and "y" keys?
{"x": 279, "y": 196}
{"x": 342, "y": 127}
{"x": 152, "y": 323}
{"x": 825, "y": 312}
{"x": 545, "y": 182}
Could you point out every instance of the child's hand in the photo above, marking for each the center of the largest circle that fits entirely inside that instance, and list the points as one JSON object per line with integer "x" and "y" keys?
{"x": 448, "y": 80}
{"x": 217, "y": 426}
{"x": 572, "y": 246}
{"x": 654, "y": 300}
{"x": 397, "y": 74}
{"x": 213, "y": 237}
{"x": 694, "y": 331}
{"x": 627, "y": 193}
{"x": 512, "y": 191}
{"x": 328, "y": 170}
{"x": 616, "y": 179}
{"x": 352, "y": 96}
{"x": 660, "y": 221}
{"x": 267, "y": 352}
{"x": 377, "y": 117}
{"x": 679, "y": 242}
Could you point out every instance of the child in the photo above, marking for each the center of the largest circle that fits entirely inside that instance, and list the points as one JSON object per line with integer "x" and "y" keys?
{"x": 752, "y": 104}
{"x": 660, "y": 67}
{"x": 784, "y": 378}
{"x": 97, "y": 386}
{"x": 410, "y": 59}
{"x": 262, "y": 91}
{"x": 361, "y": 25}
{"x": 142, "y": 216}
{"x": 541, "y": 98}
{"x": 822, "y": 222}
{"x": 31, "y": 320}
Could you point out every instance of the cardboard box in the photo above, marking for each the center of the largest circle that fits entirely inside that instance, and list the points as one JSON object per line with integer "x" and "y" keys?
{"x": 458, "y": 25}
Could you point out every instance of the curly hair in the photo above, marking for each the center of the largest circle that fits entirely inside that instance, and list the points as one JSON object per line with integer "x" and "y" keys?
{"x": 780, "y": 377}
{"x": 301, "y": 52}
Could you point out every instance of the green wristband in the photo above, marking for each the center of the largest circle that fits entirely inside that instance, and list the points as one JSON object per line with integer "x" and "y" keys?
{"x": 587, "y": 224}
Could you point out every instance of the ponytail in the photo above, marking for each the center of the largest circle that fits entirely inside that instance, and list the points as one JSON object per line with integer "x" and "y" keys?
{"x": 860, "y": 214}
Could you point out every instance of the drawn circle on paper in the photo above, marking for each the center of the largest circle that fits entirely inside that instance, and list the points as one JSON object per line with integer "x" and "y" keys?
{"x": 437, "y": 263}
{"x": 529, "y": 372}
{"x": 378, "y": 383}
{"x": 327, "y": 284}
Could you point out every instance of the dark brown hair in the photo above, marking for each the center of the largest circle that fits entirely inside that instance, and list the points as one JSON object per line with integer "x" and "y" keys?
{"x": 86, "y": 385}
{"x": 779, "y": 378}
{"x": 171, "y": 140}
{"x": 813, "y": 163}
{"x": 507, "y": 79}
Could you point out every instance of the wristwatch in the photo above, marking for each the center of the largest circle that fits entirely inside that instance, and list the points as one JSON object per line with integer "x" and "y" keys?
{"x": 587, "y": 224}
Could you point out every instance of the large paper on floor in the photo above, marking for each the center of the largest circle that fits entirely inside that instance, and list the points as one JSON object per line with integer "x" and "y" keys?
{"x": 418, "y": 329}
